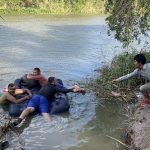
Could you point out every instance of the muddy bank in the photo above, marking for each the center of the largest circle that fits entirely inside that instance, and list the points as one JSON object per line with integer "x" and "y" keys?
{"x": 138, "y": 132}
{"x": 4, "y": 124}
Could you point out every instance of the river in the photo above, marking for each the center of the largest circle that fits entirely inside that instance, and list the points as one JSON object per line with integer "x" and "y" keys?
{"x": 69, "y": 48}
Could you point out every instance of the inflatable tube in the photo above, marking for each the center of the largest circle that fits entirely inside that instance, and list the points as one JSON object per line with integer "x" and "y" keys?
{"x": 25, "y": 83}
{"x": 4, "y": 145}
{"x": 60, "y": 104}
{"x": 16, "y": 109}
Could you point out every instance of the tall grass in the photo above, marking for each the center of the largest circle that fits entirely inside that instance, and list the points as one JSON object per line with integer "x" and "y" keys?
{"x": 58, "y": 7}
{"x": 122, "y": 64}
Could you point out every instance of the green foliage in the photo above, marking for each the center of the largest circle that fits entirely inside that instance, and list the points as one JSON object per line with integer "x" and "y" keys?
{"x": 128, "y": 18}
{"x": 52, "y": 6}
{"x": 122, "y": 64}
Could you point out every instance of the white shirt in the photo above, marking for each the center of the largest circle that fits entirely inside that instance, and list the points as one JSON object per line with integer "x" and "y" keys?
{"x": 142, "y": 73}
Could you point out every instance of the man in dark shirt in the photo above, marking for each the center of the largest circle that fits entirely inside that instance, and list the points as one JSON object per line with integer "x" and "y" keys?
{"x": 51, "y": 88}
{"x": 47, "y": 92}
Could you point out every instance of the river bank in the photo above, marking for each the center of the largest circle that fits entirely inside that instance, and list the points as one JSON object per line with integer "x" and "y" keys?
{"x": 4, "y": 126}
{"x": 137, "y": 130}
{"x": 35, "y": 11}
{"x": 52, "y": 7}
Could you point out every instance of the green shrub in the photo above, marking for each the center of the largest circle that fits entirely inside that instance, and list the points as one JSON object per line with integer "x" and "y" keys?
{"x": 66, "y": 7}
{"x": 122, "y": 64}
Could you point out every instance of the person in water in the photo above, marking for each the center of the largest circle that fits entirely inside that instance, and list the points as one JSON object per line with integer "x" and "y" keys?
{"x": 143, "y": 71}
{"x": 43, "y": 80}
{"x": 10, "y": 95}
{"x": 51, "y": 88}
{"x": 41, "y": 102}
{"x": 40, "y": 78}
{"x": 37, "y": 76}
{"x": 36, "y": 103}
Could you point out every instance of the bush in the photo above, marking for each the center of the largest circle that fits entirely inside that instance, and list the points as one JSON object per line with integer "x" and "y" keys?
{"x": 122, "y": 64}
{"x": 85, "y": 7}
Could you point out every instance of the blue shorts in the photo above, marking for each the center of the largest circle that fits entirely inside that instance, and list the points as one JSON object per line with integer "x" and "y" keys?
{"x": 40, "y": 103}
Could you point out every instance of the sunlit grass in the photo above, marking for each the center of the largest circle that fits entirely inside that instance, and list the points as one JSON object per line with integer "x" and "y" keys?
{"x": 53, "y": 8}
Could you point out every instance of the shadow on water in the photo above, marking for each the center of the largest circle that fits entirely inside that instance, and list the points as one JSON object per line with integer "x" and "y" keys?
{"x": 68, "y": 51}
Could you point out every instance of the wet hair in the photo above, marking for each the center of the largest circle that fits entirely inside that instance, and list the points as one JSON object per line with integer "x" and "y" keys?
{"x": 51, "y": 79}
{"x": 37, "y": 69}
{"x": 140, "y": 58}
{"x": 11, "y": 85}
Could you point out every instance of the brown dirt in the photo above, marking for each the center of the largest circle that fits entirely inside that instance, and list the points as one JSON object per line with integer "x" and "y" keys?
{"x": 138, "y": 134}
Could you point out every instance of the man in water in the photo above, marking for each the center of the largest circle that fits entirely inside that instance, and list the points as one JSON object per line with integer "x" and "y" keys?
{"x": 37, "y": 76}
{"x": 43, "y": 80}
{"x": 41, "y": 102}
{"x": 36, "y": 103}
{"x": 142, "y": 71}
{"x": 51, "y": 88}
{"x": 10, "y": 95}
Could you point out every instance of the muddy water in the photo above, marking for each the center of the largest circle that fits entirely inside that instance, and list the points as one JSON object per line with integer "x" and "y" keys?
{"x": 69, "y": 48}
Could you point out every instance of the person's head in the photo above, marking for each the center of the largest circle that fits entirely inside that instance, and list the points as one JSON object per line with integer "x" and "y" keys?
{"x": 36, "y": 71}
{"x": 139, "y": 60}
{"x": 52, "y": 80}
{"x": 11, "y": 88}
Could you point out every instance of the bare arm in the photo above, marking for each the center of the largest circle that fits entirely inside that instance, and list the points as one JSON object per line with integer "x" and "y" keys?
{"x": 28, "y": 91}
{"x": 14, "y": 100}
{"x": 32, "y": 77}
{"x": 63, "y": 89}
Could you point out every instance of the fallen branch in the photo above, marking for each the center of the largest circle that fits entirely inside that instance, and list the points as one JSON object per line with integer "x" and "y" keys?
{"x": 2, "y": 17}
{"x": 117, "y": 141}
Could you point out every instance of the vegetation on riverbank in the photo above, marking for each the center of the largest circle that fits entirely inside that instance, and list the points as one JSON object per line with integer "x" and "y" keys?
{"x": 122, "y": 64}
{"x": 129, "y": 19}
{"x": 53, "y": 7}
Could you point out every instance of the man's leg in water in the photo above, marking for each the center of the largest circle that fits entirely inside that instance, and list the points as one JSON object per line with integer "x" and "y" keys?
{"x": 26, "y": 112}
{"x": 44, "y": 108}
{"x": 33, "y": 103}
{"x": 47, "y": 117}
{"x": 23, "y": 115}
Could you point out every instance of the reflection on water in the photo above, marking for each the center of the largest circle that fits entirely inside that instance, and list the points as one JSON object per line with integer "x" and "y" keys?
{"x": 70, "y": 49}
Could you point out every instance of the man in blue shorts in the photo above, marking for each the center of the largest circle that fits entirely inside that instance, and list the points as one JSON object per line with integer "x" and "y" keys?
{"x": 38, "y": 103}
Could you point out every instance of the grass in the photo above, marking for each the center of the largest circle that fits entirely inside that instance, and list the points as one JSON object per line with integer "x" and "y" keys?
{"x": 121, "y": 64}
{"x": 35, "y": 11}
{"x": 52, "y": 8}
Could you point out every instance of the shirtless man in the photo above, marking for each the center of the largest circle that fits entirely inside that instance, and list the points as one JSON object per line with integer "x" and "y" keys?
{"x": 10, "y": 95}
{"x": 37, "y": 76}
